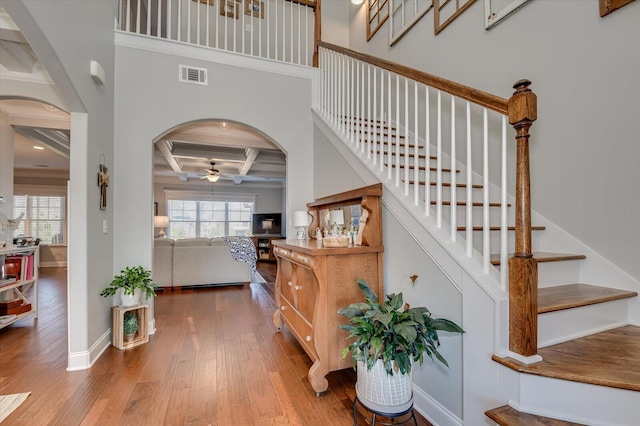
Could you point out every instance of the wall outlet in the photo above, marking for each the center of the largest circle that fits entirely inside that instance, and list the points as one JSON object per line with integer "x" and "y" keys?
{"x": 247, "y": 27}
{"x": 104, "y": 226}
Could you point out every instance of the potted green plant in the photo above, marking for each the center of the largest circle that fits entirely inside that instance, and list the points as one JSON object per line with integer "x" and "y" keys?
{"x": 130, "y": 326}
{"x": 389, "y": 337}
{"x": 132, "y": 282}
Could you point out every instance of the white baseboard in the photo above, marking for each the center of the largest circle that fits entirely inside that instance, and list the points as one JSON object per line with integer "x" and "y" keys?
{"x": 432, "y": 410}
{"x": 54, "y": 264}
{"x": 85, "y": 359}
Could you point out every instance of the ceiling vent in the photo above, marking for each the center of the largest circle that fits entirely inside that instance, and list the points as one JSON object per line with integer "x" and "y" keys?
{"x": 194, "y": 75}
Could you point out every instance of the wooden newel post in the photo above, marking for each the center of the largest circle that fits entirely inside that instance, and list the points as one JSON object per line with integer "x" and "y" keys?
{"x": 523, "y": 268}
{"x": 317, "y": 33}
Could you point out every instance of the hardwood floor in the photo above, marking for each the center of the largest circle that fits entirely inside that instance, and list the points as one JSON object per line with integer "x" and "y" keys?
{"x": 215, "y": 359}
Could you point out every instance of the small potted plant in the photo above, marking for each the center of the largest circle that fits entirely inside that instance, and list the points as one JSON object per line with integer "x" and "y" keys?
{"x": 130, "y": 326}
{"x": 390, "y": 336}
{"x": 131, "y": 282}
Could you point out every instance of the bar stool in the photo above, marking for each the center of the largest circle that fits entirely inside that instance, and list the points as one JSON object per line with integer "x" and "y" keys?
{"x": 376, "y": 410}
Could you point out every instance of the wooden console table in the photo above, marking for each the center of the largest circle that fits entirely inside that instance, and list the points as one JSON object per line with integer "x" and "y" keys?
{"x": 313, "y": 282}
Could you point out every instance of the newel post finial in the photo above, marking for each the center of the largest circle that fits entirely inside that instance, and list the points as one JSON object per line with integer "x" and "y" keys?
{"x": 523, "y": 105}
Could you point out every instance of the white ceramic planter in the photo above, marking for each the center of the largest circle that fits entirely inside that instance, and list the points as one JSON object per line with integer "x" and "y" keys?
{"x": 378, "y": 390}
{"x": 127, "y": 300}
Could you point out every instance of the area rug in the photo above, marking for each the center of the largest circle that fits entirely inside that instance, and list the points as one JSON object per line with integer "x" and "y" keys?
{"x": 8, "y": 403}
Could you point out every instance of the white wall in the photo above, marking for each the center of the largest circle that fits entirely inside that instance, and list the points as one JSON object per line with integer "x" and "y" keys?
{"x": 584, "y": 70}
{"x": 150, "y": 101}
{"x": 66, "y": 35}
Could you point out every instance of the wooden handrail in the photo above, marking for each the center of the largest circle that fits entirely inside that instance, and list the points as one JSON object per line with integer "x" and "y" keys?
{"x": 495, "y": 103}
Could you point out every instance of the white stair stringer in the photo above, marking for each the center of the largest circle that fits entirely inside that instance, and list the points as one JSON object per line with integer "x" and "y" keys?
{"x": 567, "y": 400}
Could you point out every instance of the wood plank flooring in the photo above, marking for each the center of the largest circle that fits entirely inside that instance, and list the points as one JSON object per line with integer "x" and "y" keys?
{"x": 215, "y": 360}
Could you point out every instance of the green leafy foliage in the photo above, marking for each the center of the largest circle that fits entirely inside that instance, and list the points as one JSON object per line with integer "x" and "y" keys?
{"x": 129, "y": 279}
{"x": 393, "y": 332}
{"x": 130, "y": 323}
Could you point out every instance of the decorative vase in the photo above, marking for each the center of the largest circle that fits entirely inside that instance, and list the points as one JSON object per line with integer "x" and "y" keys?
{"x": 382, "y": 392}
{"x": 127, "y": 300}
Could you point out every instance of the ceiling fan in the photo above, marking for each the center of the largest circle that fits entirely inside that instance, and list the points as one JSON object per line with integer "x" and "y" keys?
{"x": 212, "y": 174}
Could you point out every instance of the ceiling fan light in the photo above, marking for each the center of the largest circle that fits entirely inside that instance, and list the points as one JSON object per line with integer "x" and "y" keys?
{"x": 212, "y": 178}
{"x": 357, "y": 2}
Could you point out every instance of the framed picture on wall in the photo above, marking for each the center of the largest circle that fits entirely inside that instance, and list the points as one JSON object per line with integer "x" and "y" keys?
{"x": 254, "y": 8}
{"x": 229, "y": 8}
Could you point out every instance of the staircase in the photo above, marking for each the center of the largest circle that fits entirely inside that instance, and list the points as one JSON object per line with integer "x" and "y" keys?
{"x": 584, "y": 350}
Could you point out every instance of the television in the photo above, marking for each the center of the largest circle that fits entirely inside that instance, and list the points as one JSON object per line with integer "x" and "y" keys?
{"x": 267, "y": 223}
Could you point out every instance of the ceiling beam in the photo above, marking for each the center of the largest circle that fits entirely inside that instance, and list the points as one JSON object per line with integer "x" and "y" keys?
{"x": 211, "y": 153}
{"x": 50, "y": 141}
{"x": 251, "y": 153}
{"x": 165, "y": 148}
{"x": 203, "y": 138}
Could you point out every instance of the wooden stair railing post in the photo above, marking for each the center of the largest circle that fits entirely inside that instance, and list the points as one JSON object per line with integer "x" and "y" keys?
{"x": 317, "y": 33}
{"x": 523, "y": 268}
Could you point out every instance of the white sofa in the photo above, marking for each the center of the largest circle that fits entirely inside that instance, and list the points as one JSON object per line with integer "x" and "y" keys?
{"x": 196, "y": 261}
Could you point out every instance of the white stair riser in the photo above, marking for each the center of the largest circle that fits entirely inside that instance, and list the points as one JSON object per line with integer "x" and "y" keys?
{"x": 578, "y": 402}
{"x": 568, "y": 324}
{"x": 552, "y": 274}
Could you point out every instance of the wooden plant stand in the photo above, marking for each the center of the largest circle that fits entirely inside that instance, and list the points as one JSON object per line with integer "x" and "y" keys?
{"x": 117, "y": 322}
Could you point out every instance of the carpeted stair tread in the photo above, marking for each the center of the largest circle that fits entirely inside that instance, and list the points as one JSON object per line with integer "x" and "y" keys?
{"x": 551, "y": 299}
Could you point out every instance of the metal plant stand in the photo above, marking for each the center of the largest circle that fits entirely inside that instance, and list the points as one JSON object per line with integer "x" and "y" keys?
{"x": 375, "y": 412}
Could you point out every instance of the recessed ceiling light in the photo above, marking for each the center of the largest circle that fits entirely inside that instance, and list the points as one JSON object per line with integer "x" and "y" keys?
{"x": 50, "y": 108}
{"x": 38, "y": 147}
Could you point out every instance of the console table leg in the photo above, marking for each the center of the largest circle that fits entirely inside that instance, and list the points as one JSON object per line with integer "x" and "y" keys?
{"x": 316, "y": 377}
{"x": 277, "y": 320}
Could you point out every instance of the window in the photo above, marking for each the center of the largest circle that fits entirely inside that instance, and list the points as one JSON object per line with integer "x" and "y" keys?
{"x": 209, "y": 218}
{"x": 44, "y": 217}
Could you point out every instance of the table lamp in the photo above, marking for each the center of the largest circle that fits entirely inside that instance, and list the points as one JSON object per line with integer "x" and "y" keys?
{"x": 301, "y": 221}
{"x": 161, "y": 222}
{"x": 267, "y": 225}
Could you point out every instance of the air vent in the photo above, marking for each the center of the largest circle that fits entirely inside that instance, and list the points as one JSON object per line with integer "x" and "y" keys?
{"x": 194, "y": 75}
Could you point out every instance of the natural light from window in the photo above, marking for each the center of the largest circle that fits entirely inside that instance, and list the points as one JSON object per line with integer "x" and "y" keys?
{"x": 44, "y": 218}
{"x": 201, "y": 218}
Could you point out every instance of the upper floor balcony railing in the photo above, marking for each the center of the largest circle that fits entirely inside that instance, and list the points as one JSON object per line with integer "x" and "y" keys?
{"x": 280, "y": 30}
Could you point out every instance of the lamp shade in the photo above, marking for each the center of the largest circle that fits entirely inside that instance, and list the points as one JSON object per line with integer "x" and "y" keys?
{"x": 267, "y": 224}
{"x": 300, "y": 218}
{"x": 337, "y": 217}
{"x": 161, "y": 221}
